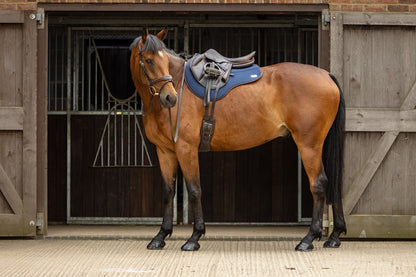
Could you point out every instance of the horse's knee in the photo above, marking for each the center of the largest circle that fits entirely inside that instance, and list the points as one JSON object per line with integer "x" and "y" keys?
{"x": 168, "y": 193}
{"x": 319, "y": 187}
{"x": 194, "y": 193}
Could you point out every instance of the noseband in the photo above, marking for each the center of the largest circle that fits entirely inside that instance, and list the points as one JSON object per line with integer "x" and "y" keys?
{"x": 152, "y": 90}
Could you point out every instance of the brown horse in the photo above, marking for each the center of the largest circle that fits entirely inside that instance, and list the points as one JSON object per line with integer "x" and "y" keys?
{"x": 302, "y": 100}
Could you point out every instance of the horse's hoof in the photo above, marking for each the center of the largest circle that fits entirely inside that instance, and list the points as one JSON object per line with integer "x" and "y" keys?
{"x": 156, "y": 244}
{"x": 304, "y": 247}
{"x": 332, "y": 243}
{"x": 190, "y": 246}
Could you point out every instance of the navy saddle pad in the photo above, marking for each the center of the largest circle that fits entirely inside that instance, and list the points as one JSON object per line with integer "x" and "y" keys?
{"x": 238, "y": 76}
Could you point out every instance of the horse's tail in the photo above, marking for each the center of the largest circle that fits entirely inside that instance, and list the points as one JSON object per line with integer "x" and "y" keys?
{"x": 333, "y": 152}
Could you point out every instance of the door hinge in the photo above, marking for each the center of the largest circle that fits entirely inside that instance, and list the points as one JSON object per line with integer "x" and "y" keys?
{"x": 326, "y": 19}
{"x": 40, "y": 18}
{"x": 40, "y": 224}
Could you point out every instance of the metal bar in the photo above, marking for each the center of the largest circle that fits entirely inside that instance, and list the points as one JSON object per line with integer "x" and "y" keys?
{"x": 56, "y": 72}
{"x": 243, "y": 25}
{"x": 116, "y": 220}
{"x": 82, "y": 72}
{"x": 299, "y": 187}
{"x": 115, "y": 135}
{"x": 143, "y": 144}
{"x": 122, "y": 135}
{"x": 185, "y": 208}
{"x": 68, "y": 128}
{"x": 128, "y": 134}
{"x": 49, "y": 73}
{"x": 89, "y": 73}
{"x": 108, "y": 139}
{"x": 76, "y": 74}
{"x": 63, "y": 75}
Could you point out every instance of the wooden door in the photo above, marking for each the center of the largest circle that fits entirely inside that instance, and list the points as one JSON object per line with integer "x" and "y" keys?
{"x": 374, "y": 58}
{"x": 17, "y": 123}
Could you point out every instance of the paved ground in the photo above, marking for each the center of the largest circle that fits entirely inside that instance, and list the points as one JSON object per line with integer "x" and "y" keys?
{"x": 251, "y": 253}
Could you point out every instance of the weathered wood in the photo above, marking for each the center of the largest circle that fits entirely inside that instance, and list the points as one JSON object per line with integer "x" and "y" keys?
{"x": 360, "y": 183}
{"x": 337, "y": 47}
{"x": 380, "y": 120}
{"x": 42, "y": 119}
{"x": 10, "y": 193}
{"x": 11, "y": 16}
{"x": 381, "y": 226}
{"x": 11, "y": 119}
{"x": 18, "y": 90}
{"x": 409, "y": 102}
{"x": 29, "y": 122}
{"x": 382, "y": 19}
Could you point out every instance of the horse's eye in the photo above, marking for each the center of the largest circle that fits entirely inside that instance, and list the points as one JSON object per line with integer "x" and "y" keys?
{"x": 149, "y": 61}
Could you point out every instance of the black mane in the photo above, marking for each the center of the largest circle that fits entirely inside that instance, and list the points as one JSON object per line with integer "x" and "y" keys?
{"x": 152, "y": 44}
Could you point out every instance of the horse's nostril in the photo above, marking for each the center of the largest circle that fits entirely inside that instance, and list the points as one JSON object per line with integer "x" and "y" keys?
{"x": 171, "y": 100}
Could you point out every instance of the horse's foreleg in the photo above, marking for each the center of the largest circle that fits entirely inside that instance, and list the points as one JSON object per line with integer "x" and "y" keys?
{"x": 168, "y": 166}
{"x": 188, "y": 161}
{"x": 312, "y": 160}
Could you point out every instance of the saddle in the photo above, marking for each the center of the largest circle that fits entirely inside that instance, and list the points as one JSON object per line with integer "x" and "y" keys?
{"x": 212, "y": 71}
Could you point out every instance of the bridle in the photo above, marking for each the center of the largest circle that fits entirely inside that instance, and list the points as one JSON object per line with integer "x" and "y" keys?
{"x": 152, "y": 90}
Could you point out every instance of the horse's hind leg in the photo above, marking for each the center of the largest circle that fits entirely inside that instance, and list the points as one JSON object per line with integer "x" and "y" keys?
{"x": 188, "y": 160}
{"x": 312, "y": 161}
{"x": 339, "y": 225}
{"x": 168, "y": 166}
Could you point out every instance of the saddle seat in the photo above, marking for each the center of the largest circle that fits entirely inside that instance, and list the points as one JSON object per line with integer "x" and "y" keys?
{"x": 240, "y": 62}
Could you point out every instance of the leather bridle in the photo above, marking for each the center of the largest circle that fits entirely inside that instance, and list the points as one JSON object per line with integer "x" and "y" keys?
{"x": 152, "y": 90}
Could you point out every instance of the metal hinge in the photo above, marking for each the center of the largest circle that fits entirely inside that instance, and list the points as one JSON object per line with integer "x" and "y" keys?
{"x": 40, "y": 226}
{"x": 326, "y": 19}
{"x": 40, "y": 18}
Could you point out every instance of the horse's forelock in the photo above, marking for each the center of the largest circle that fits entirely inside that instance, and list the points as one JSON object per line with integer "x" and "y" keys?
{"x": 152, "y": 44}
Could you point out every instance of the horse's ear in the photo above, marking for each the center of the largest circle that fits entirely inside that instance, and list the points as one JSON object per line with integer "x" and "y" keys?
{"x": 162, "y": 34}
{"x": 144, "y": 35}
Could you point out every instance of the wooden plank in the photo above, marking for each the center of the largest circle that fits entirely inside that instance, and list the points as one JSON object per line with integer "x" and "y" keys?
{"x": 10, "y": 193}
{"x": 409, "y": 102}
{"x": 381, "y": 226}
{"x": 337, "y": 47}
{"x": 185, "y": 7}
{"x": 380, "y": 120}
{"x": 364, "y": 177}
{"x": 11, "y": 16}
{"x": 29, "y": 122}
{"x": 382, "y": 19}
{"x": 11, "y": 119}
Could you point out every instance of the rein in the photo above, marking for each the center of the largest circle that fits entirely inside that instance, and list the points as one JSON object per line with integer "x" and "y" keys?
{"x": 175, "y": 138}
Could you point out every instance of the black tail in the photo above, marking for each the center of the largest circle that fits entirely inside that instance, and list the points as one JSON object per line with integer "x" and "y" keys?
{"x": 333, "y": 152}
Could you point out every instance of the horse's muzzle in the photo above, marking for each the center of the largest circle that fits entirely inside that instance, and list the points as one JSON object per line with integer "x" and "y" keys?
{"x": 168, "y": 100}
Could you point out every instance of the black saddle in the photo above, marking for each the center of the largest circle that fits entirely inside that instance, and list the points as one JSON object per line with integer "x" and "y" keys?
{"x": 212, "y": 70}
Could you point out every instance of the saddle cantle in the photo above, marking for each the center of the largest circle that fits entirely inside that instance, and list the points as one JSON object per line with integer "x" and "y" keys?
{"x": 211, "y": 76}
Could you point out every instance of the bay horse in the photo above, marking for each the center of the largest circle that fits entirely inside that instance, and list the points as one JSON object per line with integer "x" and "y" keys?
{"x": 302, "y": 100}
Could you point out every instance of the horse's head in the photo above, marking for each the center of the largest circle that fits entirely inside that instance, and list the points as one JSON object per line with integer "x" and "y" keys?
{"x": 149, "y": 65}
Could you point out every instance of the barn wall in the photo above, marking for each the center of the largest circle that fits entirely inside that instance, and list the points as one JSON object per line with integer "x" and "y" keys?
{"x": 389, "y": 6}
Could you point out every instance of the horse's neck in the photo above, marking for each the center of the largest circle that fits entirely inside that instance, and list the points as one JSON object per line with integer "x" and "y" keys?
{"x": 176, "y": 68}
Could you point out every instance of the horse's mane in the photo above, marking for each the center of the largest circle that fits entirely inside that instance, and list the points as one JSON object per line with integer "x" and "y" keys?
{"x": 154, "y": 44}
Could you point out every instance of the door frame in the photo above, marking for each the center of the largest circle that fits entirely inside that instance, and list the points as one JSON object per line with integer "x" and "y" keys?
{"x": 45, "y": 9}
